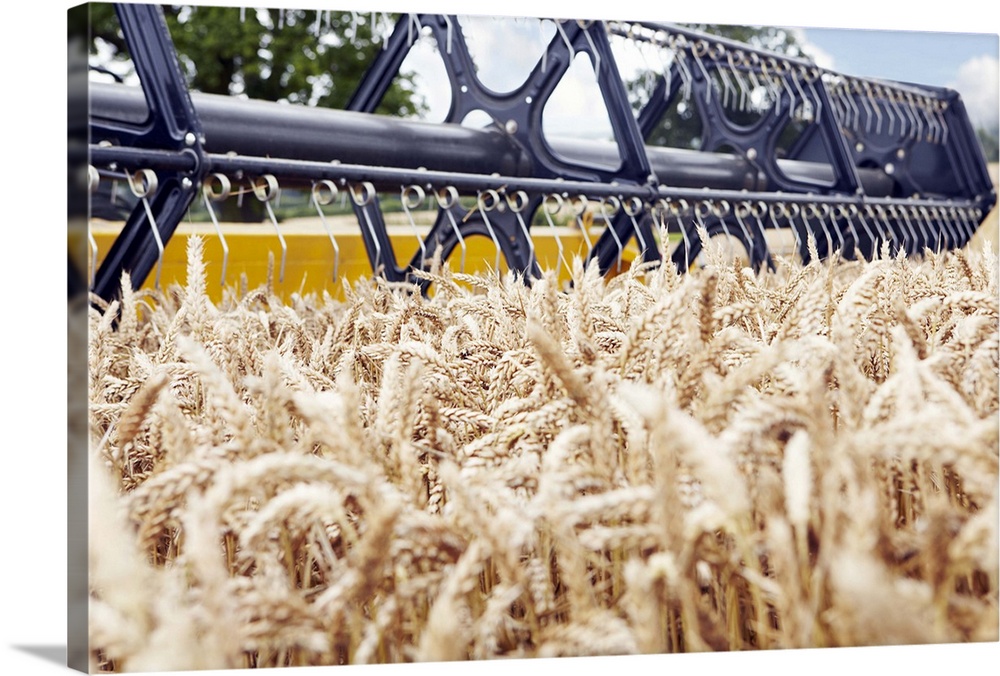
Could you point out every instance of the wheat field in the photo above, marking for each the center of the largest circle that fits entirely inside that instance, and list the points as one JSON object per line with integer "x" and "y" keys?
{"x": 724, "y": 460}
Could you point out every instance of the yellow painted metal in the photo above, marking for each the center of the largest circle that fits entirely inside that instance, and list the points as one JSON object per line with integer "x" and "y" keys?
{"x": 309, "y": 266}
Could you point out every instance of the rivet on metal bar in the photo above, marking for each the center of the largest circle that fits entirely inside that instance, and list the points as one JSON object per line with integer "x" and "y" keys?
{"x": 363, "y": 194}
{"x": 411, "y": 197}
{"x": 324, "y": 193}
{"x": 265, "y": 188}
{"x": 446, "y": 199}
{"x": 210, "y": 194}
{"x": 143, "y": 184}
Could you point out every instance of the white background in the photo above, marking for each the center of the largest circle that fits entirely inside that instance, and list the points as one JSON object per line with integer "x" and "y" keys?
{"x": 32, "y": 446}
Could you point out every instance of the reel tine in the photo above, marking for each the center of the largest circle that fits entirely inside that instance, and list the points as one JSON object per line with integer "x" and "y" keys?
{"x": 486, "y": 201}
{"x": 517, "y": 202}
{"x": 821, "y": 212}
{"x": 209, "y": 194}
{"x": 363, "y": 194}
{"x": 740, "y": 211}
{"x": 446, "y": 199}
{"x": 552, "y": 205}
{"x": 93, "y": 181}
{"x": 411, "y": 197}
{"x": 608, "y": 214}
{"x": 324, "y": 192}
{"x": 143, "y": 184}
{"x": 579, "y": 204}
{"x": 633, "y": 207}
{"x": 265, "y": 188}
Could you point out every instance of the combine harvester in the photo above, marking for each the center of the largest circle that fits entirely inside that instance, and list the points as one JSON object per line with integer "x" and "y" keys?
{"x": 849, "y": 163}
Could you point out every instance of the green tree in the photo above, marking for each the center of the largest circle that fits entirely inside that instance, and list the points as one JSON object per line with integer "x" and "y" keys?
{"x": 989, "y": 141}
{"x": 299, "y": 56}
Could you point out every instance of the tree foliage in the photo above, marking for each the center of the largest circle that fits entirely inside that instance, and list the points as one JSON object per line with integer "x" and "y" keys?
{"x": 300, "y": 56}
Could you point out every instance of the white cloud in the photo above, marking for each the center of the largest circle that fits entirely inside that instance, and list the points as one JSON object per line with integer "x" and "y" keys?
{"x": 978, "y": 82}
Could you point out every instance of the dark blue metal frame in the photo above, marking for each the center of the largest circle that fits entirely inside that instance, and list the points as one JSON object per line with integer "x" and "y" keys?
{"x": 933, "y": 177}
{"x": 172, "y": 124}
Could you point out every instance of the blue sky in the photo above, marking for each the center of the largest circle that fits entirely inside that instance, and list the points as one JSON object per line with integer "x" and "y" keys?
{"x": 966, "y": 62}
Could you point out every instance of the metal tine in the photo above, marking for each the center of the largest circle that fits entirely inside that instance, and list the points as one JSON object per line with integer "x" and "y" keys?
{"x": 754, "y": 63}
{"x": 413, "y": 21}
{"x": 658, "y": 211}
{"x": 781, "y": 71}
{"x": 821, "y": 212}
{"x": 902, "y": 225}
{"x": 940, "y": 107}
{"x": 770, "y": 81}
{"x": 872, "y": 237}
{"x": 579, "y": 204}
{"x": 585, "y": 25}
{"x": 680, "y": 47}
{"x": 727, "y": 86}
{"x": 721, "y": 211}
{"x": 951, "y": 226}
{"x": 210, "y": 194}
{"x": 449, "y": 30}
{"x": 363, "y": 194}
{"x": 912, "y": 216}
{"x": 486, "y": 201}
{"x": 778, "y": 210}
{"x": 701, "y": 209}
{"x": 143, "y": 184}
{"x": 447, "y": 198}
{"x": 843, "y": 211}
{"x": 881, "y": 92}
{"x": 965, "y": 217}
{"x": 740, "y": 211}
{"x": 633, "y": 207}
{"x": 265, "y": 188}
{"x": 862, "y": 95}
{"x": 411, "y": 197}
{"x": 680, "y": 209}
{"x": 518, "y": 202}
{"x": 700, "y": 49}
{"x": 668, "y": 57}
{"x": 93, "y": 182}
{"x": 324, "y": 192}
{"x": 565, "y": 39}
{"x": 609, "y": 213}
{"x": 852, "y": 102}
{"x": 552, "y": 205}
{"x": 803, "y": 213}
{"x": 737, "y": 59}
{"x": 924, "y": 238}
{"x": 811, "y": 75}
{"x": 796, "y": 72}
{"x": 885, "y": 232}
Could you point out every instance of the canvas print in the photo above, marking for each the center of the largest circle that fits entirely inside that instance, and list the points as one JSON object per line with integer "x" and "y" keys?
{"x": 422, "y": 338}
